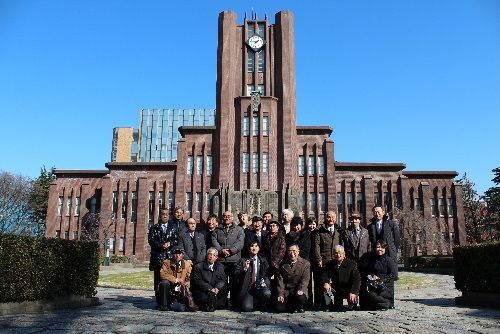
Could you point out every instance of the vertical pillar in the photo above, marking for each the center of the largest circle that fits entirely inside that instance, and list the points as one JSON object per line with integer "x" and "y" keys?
{"x": 369, "y": 200}
{"x": 52, "y": 220}
{"x": 459, "y": 216}
{"x": 141, "y": 232}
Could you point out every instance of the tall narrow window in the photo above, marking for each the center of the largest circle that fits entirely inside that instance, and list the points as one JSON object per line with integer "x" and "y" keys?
{"x": 262, "y": 90}
{"x": 75, "y": 235}
{"x": 171, "y": 200}
{"x": 359, "y": 200}
{"x": 190, "y": 164}
{"x": 321, "y": 165}
{"x": 441, "y": 207}
{"x": 262, "y": 61}
{"x": 376, "y": 198}
{"x": 251, "y": 61}
{"x": 450, "y": 207}
{"x": 302, "y": 165}
{"x": 114, "y": 207}
{"x": 208, "y": 201}
{"x": 265, "y": 126}
{"x": 199, "y": 201}
{"x": 262, "y": 30}
{"x": 350, "y": 202}
{"x": 122, "y": 244}
{"x": 77, "y": 206}
{"x": 199, "y": 164}
{"x": 60, "y": 206}
{"x": 255, "y": 162}
{"x": 417, "y": 204}
{"x": 250, "y": 89}
{"x": 133, "y": 218}
{"x": 246, "y": 162}
{"x": 189, "y": 201}
{"x": 395, "y": 200}
{"x": 312, "y": 165}
{"x": 69, "y": 206}
{"x": 124, "y": 205}
{"x": 161, "y": 200}
{"x": 151, "y": 210}
{"x": 304, "y": 202}
{"x": 387, "y": 202}
{"x": 66, "y": 235}
{"x": 322, "y": 202}
{"x": 246, "y": 126}
{"x": 93, "y": 204}
{"x": 255, "y": 123}
{"x": 209, "y": 165}
{"x": 340, "y": 206}
{"x": 434, "y": 208}
{"x": 312, "y": 201}
{"x": 265, "y": 162}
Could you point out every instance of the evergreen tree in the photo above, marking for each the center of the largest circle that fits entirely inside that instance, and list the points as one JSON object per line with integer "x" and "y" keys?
{"x": 39, "y": 199}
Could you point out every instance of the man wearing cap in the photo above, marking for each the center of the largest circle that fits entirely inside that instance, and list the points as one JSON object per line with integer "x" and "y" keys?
{"x": 357, "y": 241}
{"x": 256, "y": 234}
{"x": 175, "y": 274}
{"x": 193, "y": 243}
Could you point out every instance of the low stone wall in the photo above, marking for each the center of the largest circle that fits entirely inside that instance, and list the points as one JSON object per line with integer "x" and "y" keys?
{"x": 45, "y": 305}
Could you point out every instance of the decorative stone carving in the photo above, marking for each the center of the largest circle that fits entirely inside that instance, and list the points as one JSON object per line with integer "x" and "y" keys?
{"x": 255, "y": 96}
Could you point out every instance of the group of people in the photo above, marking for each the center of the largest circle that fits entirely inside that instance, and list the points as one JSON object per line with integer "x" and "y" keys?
{"x": 264, "y": 264}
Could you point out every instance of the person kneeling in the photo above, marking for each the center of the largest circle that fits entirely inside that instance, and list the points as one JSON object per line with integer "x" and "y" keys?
{"x": 174, "y": 285}
{"x": 341, "y": 281}
{"x": 251, "y": 278}
{"x": 293, "y": 279}
{"x": 209, "y": 282}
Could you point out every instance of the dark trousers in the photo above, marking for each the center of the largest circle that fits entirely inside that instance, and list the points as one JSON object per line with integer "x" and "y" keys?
{"x": 157, "y": 280}
{"x": 208, "y": 301}
{"x": 292, "y": 303}
{"x": 261, "y": 296}
{"x": 163, "y": 294}
{"x": 319, "y": 300}
{"x": 229, "y": 268}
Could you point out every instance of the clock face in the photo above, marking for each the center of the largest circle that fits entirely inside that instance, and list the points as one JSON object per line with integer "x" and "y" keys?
{"x": 255, "y": 42}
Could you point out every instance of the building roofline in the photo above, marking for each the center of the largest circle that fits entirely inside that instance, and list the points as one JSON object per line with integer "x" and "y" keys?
{"x": 440, "y": 173}
{"x": 196, "y": 129}
{"x": 144, "y": 165}
{"x": 81, "y": 171}
{"x": 310, "y": 129}
{"x": 375, "y": 166}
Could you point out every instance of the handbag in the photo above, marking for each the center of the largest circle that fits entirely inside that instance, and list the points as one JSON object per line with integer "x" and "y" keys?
{"x": 187, "y": 296}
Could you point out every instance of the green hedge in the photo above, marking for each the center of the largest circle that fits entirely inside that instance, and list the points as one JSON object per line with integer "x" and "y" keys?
{"x": 116, "y": 258}
{"x": 477, "y": 267}
{"x": 431, "y": 261}
{"x": 39, "y": 268}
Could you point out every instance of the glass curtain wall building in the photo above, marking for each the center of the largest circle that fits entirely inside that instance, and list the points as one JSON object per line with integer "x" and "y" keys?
{"x": 158, "y": 132}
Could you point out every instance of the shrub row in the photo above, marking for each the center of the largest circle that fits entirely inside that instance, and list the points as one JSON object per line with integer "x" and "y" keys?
{"x": 431, "y": 261}
{"x": 117, "y": 258}
{"x": 477, "y": 267}
{"x": 39, "y": 268}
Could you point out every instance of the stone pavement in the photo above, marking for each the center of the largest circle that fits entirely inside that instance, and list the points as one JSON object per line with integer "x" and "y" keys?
{"x": 419, "y": 310}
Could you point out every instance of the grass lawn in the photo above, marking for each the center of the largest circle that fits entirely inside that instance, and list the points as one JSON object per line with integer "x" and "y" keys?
{"x": 141, "y": 279}
{"x": 144, "y": 279}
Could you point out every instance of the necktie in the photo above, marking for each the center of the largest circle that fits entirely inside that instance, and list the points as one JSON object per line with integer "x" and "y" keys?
{"x": 211, "y": 267}
{"x": 357, "y": 232}
{"x": 379, "y": 227}
{"x": 254, "y": 271}
{"x": 164, "y": 227}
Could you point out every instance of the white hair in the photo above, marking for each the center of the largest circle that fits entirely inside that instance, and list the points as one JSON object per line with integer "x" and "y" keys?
{"x": 288, "y": 212}
{"x": 339, "y": 247}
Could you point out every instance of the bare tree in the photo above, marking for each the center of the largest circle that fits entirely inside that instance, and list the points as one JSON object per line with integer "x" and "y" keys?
{"x": 419, "y": 235}
{"x": 15, "y": 213}
{"x": 96, "y": 227}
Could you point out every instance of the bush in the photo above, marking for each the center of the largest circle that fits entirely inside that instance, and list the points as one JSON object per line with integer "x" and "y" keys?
{"x": 431, "y": 261}
{"x": 477, "y": 267}
{"x": 39, "y": 268}
{"x": 116, "y": 258}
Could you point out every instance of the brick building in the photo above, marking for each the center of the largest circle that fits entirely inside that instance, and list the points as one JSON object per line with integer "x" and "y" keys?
{"x": 255, "y": 158}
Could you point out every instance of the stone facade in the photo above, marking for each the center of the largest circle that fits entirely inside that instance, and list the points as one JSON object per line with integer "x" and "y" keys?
{"x": 255, "y": 159}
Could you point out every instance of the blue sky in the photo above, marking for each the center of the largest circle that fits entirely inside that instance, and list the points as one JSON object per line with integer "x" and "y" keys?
{"x": 399, "y": 81}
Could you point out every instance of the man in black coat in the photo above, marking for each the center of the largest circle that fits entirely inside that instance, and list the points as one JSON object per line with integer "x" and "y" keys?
{"x": 212, "y": 224}
{"x": 382, "y": 228}
{"x": 209, "y": 283}
{"x": 251, "y": 277}
{"x": 256, "y": 234}
{"x": 178, "y": 221}
{"x": 193, "y": 243}
{"x": 162, "y": 237}
{"x": 342, "y": 280}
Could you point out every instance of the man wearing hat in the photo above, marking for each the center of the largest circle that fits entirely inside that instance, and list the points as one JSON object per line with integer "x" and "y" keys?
{"x": 357, "y": 241}
{"x": 175, "y": 274}
{"x": 256, "y": 234}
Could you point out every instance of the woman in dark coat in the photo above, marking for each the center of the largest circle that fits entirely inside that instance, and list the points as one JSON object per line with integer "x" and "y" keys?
{"x": 251, "y": 277}
{"x": 380, "y": 272}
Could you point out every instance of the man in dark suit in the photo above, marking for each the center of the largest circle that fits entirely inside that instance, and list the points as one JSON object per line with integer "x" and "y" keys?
{"x": 251, "y": 277}
{"x": 293, "y": 279}
{"x": 357, "y": 241}
{"x": 162, "y": 237}
{"x": 178, "y": 221}
{"x": 382, "y": 228}
{"x": 209, "y": 283}
{"x": 256, "y": 234}
{"x": 193, "y": 243}
{"x": 341, "y": 280}
{"x": 212, "y": 224}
